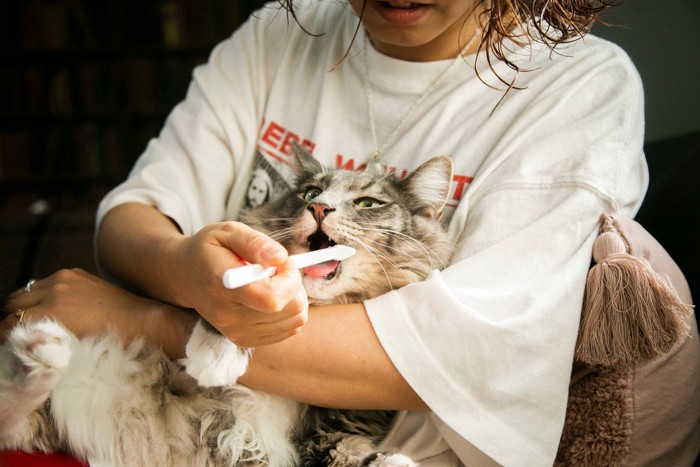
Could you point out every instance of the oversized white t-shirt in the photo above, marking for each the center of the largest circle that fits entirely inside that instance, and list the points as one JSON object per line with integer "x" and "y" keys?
{"x": 488, "y": 342}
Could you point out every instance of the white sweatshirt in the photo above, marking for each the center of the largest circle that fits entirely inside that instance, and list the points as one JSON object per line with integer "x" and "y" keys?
{"x": 488, "y": 342}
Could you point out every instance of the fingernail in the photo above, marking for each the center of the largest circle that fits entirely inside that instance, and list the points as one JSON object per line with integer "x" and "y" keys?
{"x": 271, "y": 250}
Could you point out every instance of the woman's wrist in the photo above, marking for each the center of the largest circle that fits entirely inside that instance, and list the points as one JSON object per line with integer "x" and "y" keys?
{"x": 176, "y": 272}
{"x": 168, "y": 327}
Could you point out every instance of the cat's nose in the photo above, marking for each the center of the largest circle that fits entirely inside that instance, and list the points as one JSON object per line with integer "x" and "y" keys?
{"x": 320, "y": 211}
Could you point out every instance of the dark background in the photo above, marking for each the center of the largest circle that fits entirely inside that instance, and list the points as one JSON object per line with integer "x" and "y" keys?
{"x": 84, "y": 84}
{"x": 663, "y": 39}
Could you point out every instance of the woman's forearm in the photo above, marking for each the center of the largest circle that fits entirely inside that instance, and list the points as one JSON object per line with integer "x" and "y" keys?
{"x": 335, "y": 361}
{"x": 132, "y": 244}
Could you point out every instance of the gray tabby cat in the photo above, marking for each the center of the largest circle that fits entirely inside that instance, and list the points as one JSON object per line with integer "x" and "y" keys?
{"x": 133, "y": 406}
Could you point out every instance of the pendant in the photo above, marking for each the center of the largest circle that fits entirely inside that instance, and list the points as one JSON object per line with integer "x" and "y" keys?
{"x": 375, "y": 168}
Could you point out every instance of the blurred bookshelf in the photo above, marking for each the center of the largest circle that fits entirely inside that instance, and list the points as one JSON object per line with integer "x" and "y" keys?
{"x": 83, "y": 86}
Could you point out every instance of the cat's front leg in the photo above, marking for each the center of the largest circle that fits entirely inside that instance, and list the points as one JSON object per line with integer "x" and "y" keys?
{"x": 338, "y": 449}
{"x": 32, "y": 361}
{"x": 212, "y": 359}
{"x": 394, "y": 460}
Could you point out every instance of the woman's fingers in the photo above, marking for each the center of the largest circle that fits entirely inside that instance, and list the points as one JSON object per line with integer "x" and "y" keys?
{"x": 273, "y": 294}
{"x": 24, "y": 299}
{"x": 251, "y": 328}
{"x": 25, "y": 303}
{"x": 85, "y": 303}
{"x": 253, "y": 246}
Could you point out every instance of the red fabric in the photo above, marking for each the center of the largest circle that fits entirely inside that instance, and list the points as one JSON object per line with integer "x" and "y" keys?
{"x": 23, "y": 459}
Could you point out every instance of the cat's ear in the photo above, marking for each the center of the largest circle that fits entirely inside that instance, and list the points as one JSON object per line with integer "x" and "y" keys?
{"x": 430, "y": 184}
{"x": 305, "y": 161}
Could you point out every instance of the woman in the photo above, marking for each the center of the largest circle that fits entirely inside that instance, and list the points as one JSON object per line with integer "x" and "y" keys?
{"x": 544, "y": 139}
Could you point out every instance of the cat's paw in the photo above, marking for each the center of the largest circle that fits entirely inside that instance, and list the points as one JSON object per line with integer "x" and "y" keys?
{"x": 394, "y": 460}
{"x": 42, "y": 349}
{"x": 212, "y": 359}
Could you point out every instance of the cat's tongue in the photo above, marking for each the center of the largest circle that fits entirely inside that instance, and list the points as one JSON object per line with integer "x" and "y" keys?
{"x": 321, "y": 270}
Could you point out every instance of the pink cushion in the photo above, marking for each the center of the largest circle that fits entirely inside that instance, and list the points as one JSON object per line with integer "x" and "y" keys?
{"x": 666, "y": 391}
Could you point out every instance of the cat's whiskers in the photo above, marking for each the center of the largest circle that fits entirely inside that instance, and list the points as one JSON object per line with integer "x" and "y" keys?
{"x": 409, "y": 273}
{"x": 414, "y": 266}
{"x": 428, "y": 252}
{"x": 282, "y": 234}
{"x": 417, "y": 267}
{"x": 374, "y": 253}
{"x": 267, "y": 220}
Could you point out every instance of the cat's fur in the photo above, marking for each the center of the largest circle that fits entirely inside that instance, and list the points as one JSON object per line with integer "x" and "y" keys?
{"x": 133, "y": 406}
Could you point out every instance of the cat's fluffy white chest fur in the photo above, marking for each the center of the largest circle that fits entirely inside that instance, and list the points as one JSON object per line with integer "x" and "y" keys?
{"x": 104, "y": 406}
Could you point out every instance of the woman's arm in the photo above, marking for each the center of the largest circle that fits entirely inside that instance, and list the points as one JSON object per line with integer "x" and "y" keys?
{"x": 145, "y": 250}
{"x": 89, "y": 305}
{"x": 335, "y": 361}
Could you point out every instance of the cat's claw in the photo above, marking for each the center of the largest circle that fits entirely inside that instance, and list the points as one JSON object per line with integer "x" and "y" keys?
{"x": 212, "y": 359}
{"x": 41, "y": 348}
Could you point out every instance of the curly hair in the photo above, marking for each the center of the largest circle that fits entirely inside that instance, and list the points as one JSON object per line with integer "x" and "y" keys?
{"x": 551, "y": 22}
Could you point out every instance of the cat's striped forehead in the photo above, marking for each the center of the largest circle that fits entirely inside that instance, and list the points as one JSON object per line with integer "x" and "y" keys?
{"x": 351, "y": 182}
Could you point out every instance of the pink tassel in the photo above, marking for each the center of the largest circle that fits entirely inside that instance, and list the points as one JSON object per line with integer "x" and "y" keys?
{"x": 631, "y": 314}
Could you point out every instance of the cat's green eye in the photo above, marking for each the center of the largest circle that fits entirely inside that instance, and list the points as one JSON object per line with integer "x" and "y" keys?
{"x": 311, "y": 193}
{"x": 368, "y": 203}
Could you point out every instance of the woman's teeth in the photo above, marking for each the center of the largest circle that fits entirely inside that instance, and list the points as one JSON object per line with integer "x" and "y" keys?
{"x": 401, "y": 5}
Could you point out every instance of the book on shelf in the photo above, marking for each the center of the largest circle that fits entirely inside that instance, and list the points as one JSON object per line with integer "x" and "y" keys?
{"x": 86, "y": 84}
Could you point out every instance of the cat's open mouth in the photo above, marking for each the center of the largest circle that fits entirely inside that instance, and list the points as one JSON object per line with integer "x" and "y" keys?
{"x": 327, "y": 270}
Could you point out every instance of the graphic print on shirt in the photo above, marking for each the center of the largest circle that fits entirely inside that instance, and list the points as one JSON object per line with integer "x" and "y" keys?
{"x": 265, "y": 183}
{"x": 272, "y": 168}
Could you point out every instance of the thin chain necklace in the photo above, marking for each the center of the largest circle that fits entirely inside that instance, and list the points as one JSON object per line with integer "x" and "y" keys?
{"x": 375, "y": 166}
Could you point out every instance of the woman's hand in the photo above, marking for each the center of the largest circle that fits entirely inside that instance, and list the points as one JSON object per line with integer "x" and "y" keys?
{"x": 261, "y": 313}
{"x": 89, "y": 305}
{"x": 143, "y": 248}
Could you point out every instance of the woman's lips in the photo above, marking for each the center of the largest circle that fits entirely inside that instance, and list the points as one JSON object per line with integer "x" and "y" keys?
{"x": 400, "y": 13}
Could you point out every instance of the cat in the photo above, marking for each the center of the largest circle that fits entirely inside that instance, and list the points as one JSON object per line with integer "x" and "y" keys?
{"x": 130, "y": 406}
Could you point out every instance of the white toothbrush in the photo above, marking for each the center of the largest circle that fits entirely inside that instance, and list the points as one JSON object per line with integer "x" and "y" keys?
{"x": 244, "y": 275}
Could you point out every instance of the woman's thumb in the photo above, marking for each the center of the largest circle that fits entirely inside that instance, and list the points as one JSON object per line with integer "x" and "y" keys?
{"x": 254, "y": 246}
